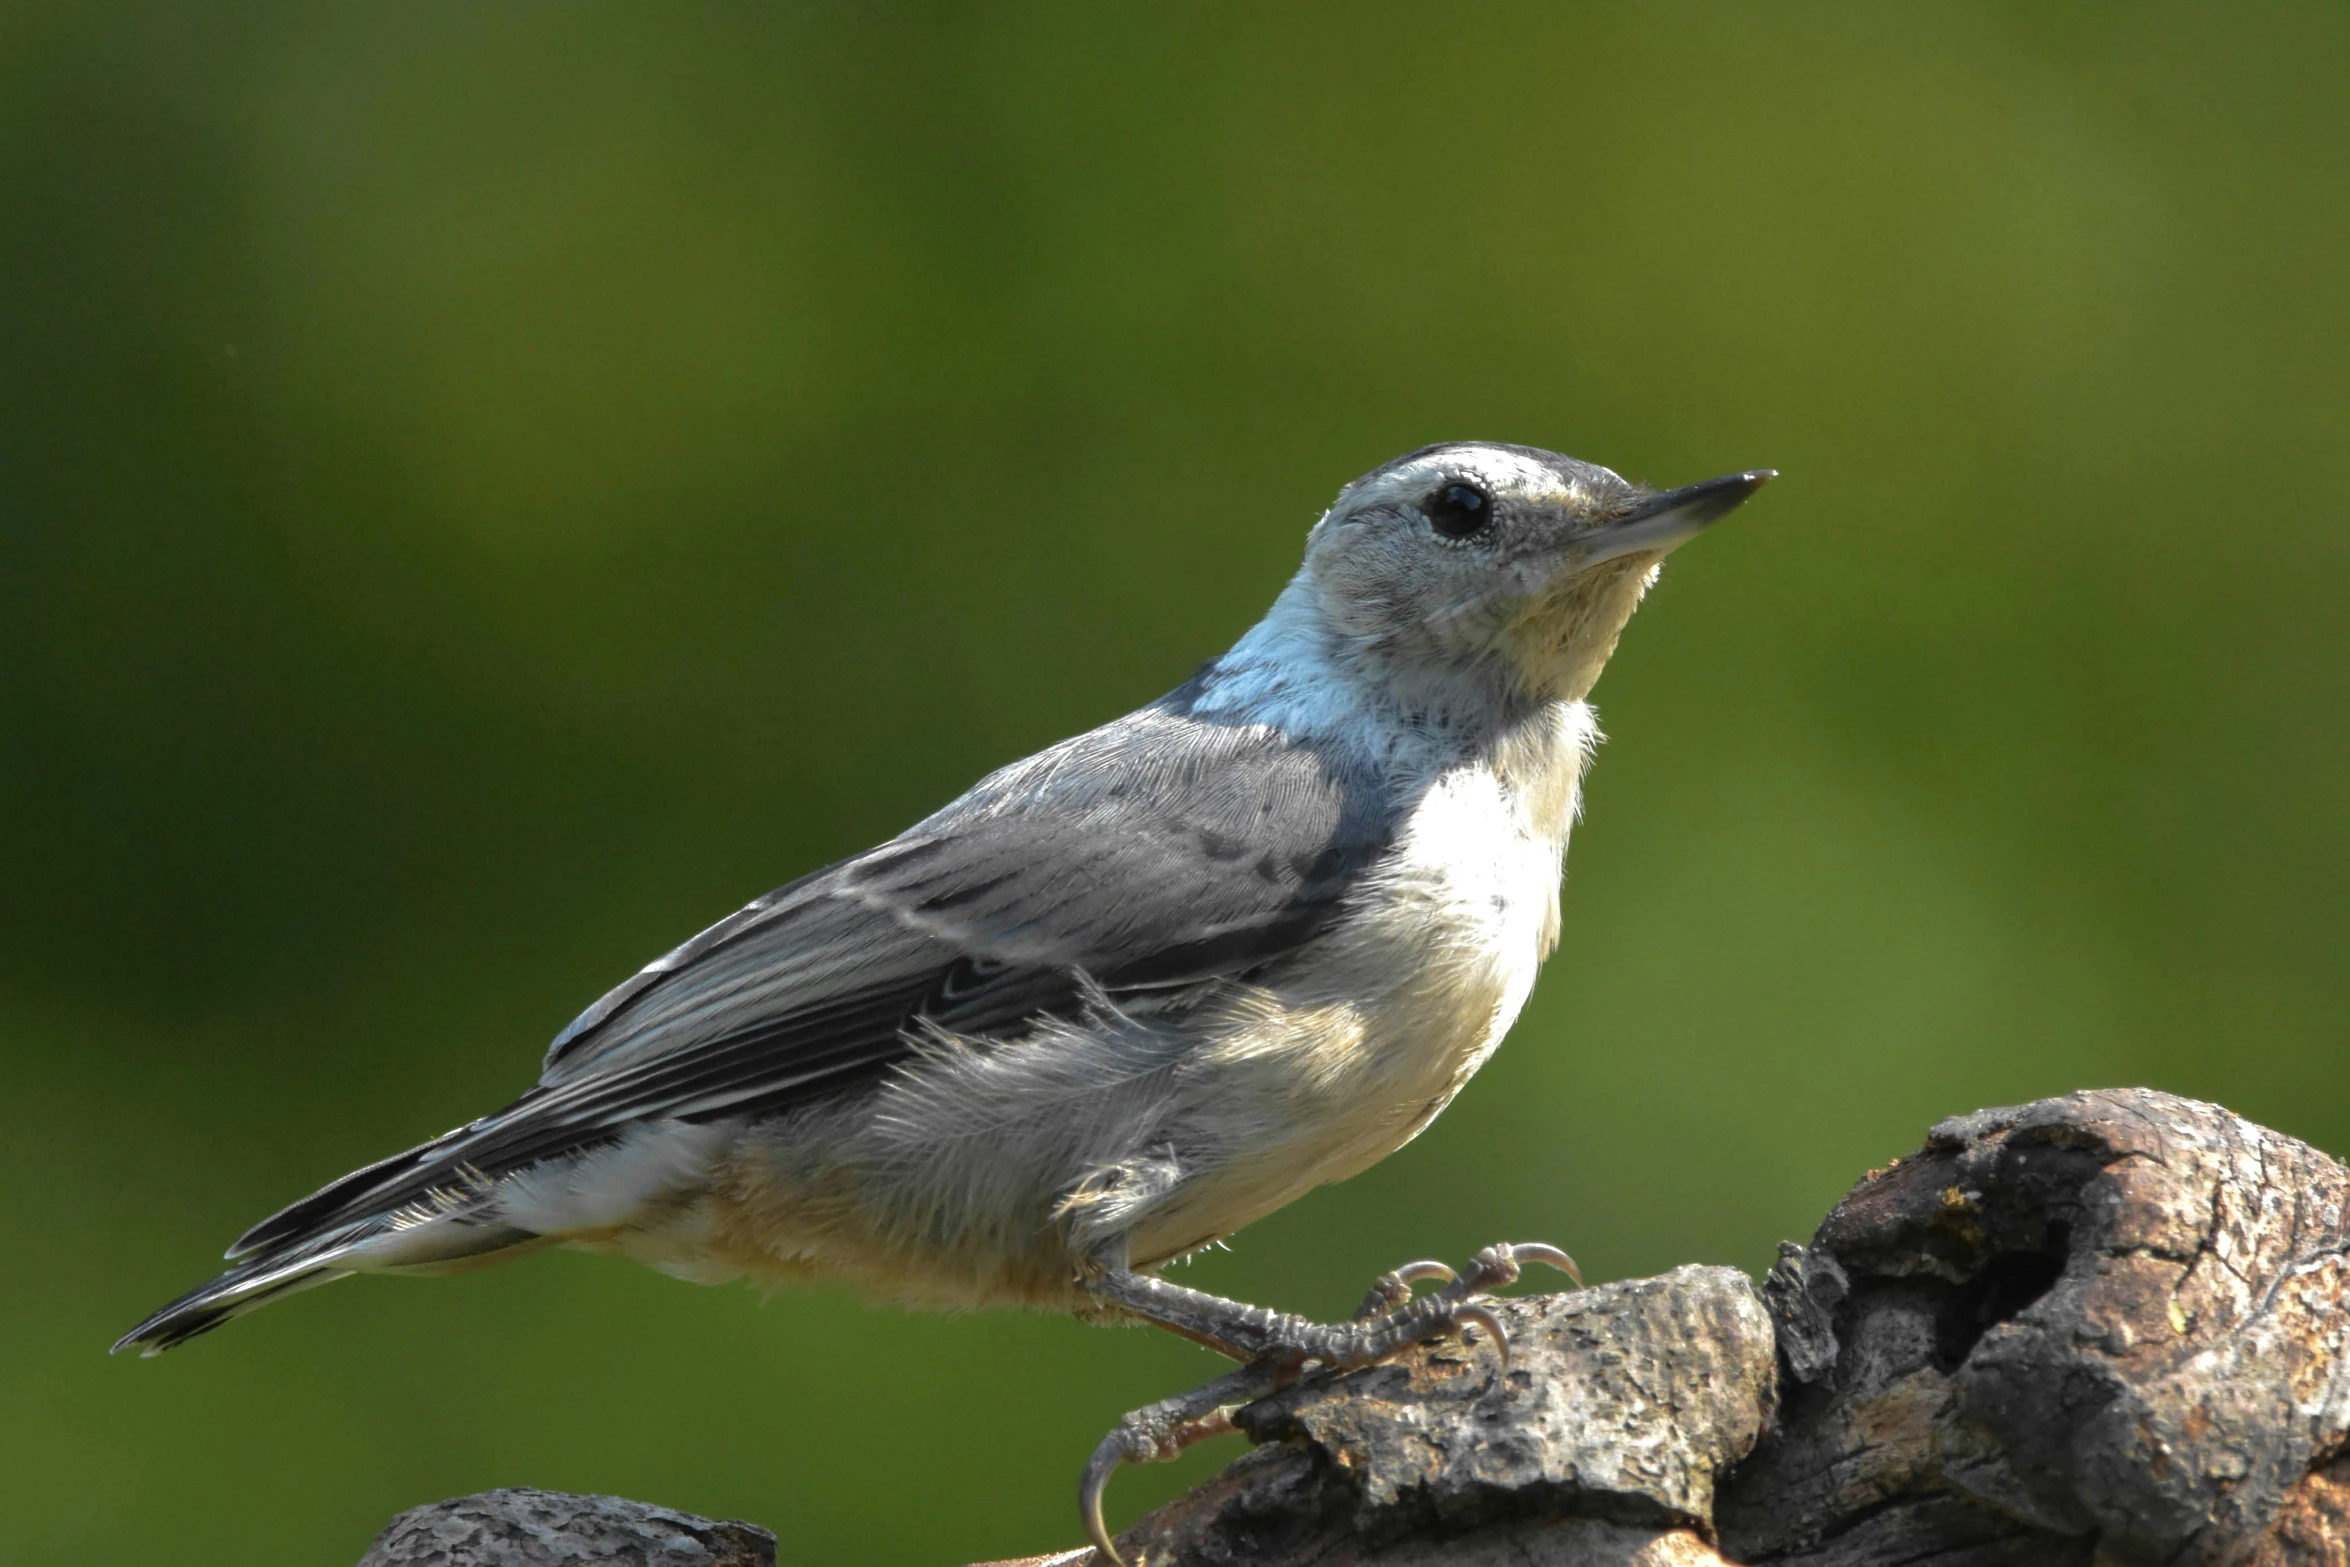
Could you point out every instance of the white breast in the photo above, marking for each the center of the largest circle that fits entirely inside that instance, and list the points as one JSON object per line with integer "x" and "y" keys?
{"x": 1467, "y": 911}
{"x": 1409, "y": 995}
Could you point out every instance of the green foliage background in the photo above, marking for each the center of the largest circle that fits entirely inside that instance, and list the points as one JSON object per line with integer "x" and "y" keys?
{"x": 489, "y": 488}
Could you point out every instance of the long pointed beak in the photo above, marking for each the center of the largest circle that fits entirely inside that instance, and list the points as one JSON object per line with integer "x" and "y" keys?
{"x": 1665, "y": 522}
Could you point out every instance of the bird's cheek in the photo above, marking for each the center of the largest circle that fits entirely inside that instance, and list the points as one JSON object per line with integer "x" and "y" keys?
{"x": 1470, "y": 624}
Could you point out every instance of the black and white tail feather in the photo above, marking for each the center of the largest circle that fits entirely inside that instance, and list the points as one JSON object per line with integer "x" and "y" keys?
{"x": 241, "y": 1289}
{"x": 431, "y": 1233}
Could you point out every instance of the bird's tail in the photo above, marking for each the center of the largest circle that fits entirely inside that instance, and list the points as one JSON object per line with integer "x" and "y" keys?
{"x": 434, "y": 1210}
{"x": 386, "y": 1243}
{"x": 348, "y": 1228}
{"x": 246, "y": 1287}
{"x": 497, "y": 1188}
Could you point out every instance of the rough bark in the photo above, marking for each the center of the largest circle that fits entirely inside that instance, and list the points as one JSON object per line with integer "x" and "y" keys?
{"x": 529, "y": 1528}
{"x": 2113, "y": 1326}
{"x": 2110, "y": 1329}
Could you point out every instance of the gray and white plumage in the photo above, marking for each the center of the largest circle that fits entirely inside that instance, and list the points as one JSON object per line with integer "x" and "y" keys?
{"x": 1122, "y": 997}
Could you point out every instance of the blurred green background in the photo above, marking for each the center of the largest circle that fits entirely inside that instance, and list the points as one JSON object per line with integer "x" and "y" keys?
{"x": 489, "y": 489}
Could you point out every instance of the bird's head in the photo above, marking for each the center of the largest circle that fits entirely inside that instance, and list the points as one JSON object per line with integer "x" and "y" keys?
{"x": 1512, "y": 566}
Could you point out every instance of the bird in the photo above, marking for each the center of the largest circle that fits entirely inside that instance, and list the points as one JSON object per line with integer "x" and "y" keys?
{"x": 1118, "y": 1000}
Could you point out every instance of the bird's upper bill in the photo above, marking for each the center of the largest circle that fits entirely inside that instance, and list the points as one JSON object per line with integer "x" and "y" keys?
{"x": 1662, "y": 523}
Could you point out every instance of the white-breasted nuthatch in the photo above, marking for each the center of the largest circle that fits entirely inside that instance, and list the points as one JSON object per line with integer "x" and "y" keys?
{"x": 1118, "y": 1000}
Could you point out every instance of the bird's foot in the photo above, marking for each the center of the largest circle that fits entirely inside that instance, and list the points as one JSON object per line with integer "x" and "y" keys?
{"x": 1391, "y": 1318}
{"x": 1279, "y": 1348}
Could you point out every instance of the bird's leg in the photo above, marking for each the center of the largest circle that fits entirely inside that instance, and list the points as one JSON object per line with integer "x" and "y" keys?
{"x": 1275, "y": 1348}
{"x": 1390, "y": 1319}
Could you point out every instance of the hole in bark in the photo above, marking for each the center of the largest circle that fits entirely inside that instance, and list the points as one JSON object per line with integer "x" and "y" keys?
{"x": 2008, "y": 1284}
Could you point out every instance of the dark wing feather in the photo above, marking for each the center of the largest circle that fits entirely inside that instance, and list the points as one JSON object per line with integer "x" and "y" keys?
{"x": 1154, "y": 856}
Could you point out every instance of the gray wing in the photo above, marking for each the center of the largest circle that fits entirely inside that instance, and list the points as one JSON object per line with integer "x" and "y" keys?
{"x": 1155, "y": 858}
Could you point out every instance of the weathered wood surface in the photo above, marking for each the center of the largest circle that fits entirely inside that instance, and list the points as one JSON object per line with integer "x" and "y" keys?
{"x": 1622, "y": 1407}
{"x": 2108, "y": 1330}
{"x": 2113, "y": 1326}
{"x": 522, "y": 1527}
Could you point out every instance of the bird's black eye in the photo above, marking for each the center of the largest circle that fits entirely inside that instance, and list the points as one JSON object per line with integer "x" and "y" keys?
{"x": 1459, "y": 511}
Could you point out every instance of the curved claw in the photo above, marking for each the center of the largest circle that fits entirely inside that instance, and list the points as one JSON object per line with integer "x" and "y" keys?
{"x": 1098, "y": 1469}
{"x": 1162, "y": 1431}
{"x": 1391, "y": 1290}
{"x": 1468, "y": 1312}
{"x": 1550, "y": 1257}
